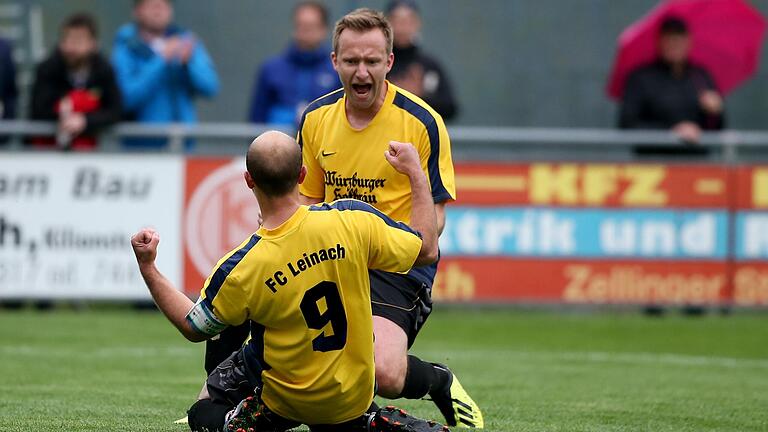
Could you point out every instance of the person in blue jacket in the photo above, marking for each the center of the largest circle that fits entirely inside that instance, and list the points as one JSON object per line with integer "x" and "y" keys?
{"x": 160, "y": 69}
{"x": 288, "y": 82}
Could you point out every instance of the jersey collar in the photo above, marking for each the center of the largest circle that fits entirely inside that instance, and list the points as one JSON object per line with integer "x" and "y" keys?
{"x": 286, "y": 227}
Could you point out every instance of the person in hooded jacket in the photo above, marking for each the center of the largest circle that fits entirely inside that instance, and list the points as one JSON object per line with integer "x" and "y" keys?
{"x": 161, "y": 68}
{"x": 288, "y": 82}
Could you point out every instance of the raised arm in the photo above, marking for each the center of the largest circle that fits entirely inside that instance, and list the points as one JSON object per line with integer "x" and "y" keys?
{"x": 405, "y": 159}
{"x": 202, "y": 72}
{"x": 172, "y": 302}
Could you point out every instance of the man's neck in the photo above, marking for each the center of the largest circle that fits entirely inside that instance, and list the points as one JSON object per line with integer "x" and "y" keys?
{"x": 149, "y": 35}
{"x": 678, "y": 69}
{"x": 360, "y": 118}
{"x": 275, "y": 211}
{"x": 306, "y": 47}
{"x": 81, "y": 66}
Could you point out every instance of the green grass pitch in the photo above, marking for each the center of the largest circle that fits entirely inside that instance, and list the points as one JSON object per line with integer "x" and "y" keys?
{"x": 528, "y": 370}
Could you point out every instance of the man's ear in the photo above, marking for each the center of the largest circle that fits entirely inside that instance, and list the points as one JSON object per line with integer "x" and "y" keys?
{"x": 302, "y": 174}
{"x": 249, "y": 180}
{"x": 333, "y": 61}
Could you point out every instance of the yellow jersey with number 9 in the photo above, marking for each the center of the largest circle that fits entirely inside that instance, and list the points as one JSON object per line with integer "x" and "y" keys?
{"x": 305, "y": 289}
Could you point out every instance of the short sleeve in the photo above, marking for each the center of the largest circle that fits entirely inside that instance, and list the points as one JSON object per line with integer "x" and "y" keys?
{"x": 218, "y": 308}
{"x": 313, "y": 185}
{"x": 222, "y": 300}
{"x": 391, "y": 248}
{"x": 435, "y": 151}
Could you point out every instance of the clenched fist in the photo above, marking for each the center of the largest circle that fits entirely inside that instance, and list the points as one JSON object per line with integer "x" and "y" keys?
{"x": 404, "y": 158}
{"x": 144, "y": 245}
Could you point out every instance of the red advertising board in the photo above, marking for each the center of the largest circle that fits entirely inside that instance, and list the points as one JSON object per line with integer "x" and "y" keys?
{"x": 593, "y": 185}
{"x": 220, "y": 212}
{"x": 752, "y": 187}
{"x": 492, "y": 280}
{"x": 750, "y": 284}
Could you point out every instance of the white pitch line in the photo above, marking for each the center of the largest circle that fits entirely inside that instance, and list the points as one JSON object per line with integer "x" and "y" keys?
{"x": 672, "y": 359}
{"x": 663, "y": 358}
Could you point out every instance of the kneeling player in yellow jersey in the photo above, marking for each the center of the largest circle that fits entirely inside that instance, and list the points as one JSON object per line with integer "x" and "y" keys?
{"x": 302, "y": 283}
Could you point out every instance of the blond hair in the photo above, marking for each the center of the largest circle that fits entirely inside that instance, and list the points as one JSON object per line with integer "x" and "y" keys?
{"x": 363, "y": 20}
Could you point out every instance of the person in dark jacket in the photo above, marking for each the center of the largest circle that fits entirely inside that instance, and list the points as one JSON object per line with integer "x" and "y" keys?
{"x": 414, "y": 70}
{"x": 76, "y": 87}
{"x": 288, "y": 82}
{"x": 8, "y": 90}
{"x": 672, "y": 93}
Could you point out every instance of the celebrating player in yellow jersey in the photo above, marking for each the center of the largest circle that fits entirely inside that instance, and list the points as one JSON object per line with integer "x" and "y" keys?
{"x": 302, "y": 283}
{"x": 341, "y": 135}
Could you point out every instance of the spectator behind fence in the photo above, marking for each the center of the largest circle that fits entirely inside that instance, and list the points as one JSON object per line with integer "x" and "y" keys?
{"x": 8, "y": 89}
{"x": 414, "y": 70}
{"x": 160, "y": 69}
{"x": 672, "y": 93}
{"x": 288, "y": 82}
{"x": 76, "y": 87}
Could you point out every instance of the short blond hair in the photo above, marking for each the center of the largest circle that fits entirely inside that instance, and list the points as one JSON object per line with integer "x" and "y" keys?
{"x": 363, "y": 20}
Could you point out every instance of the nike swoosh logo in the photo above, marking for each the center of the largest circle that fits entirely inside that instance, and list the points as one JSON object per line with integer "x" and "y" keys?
{"x": 324, "y": 153}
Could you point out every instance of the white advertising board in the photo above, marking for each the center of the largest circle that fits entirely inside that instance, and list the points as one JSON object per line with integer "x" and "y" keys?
{"x": 66, "y": 222}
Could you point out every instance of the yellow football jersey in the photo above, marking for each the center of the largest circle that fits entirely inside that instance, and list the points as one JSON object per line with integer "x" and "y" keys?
{"x": 343, "y": 162}
{"x": 304, "y": 287}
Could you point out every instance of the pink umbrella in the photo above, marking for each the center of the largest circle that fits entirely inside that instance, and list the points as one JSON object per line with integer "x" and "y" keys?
{"x": 726, "y": 36}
